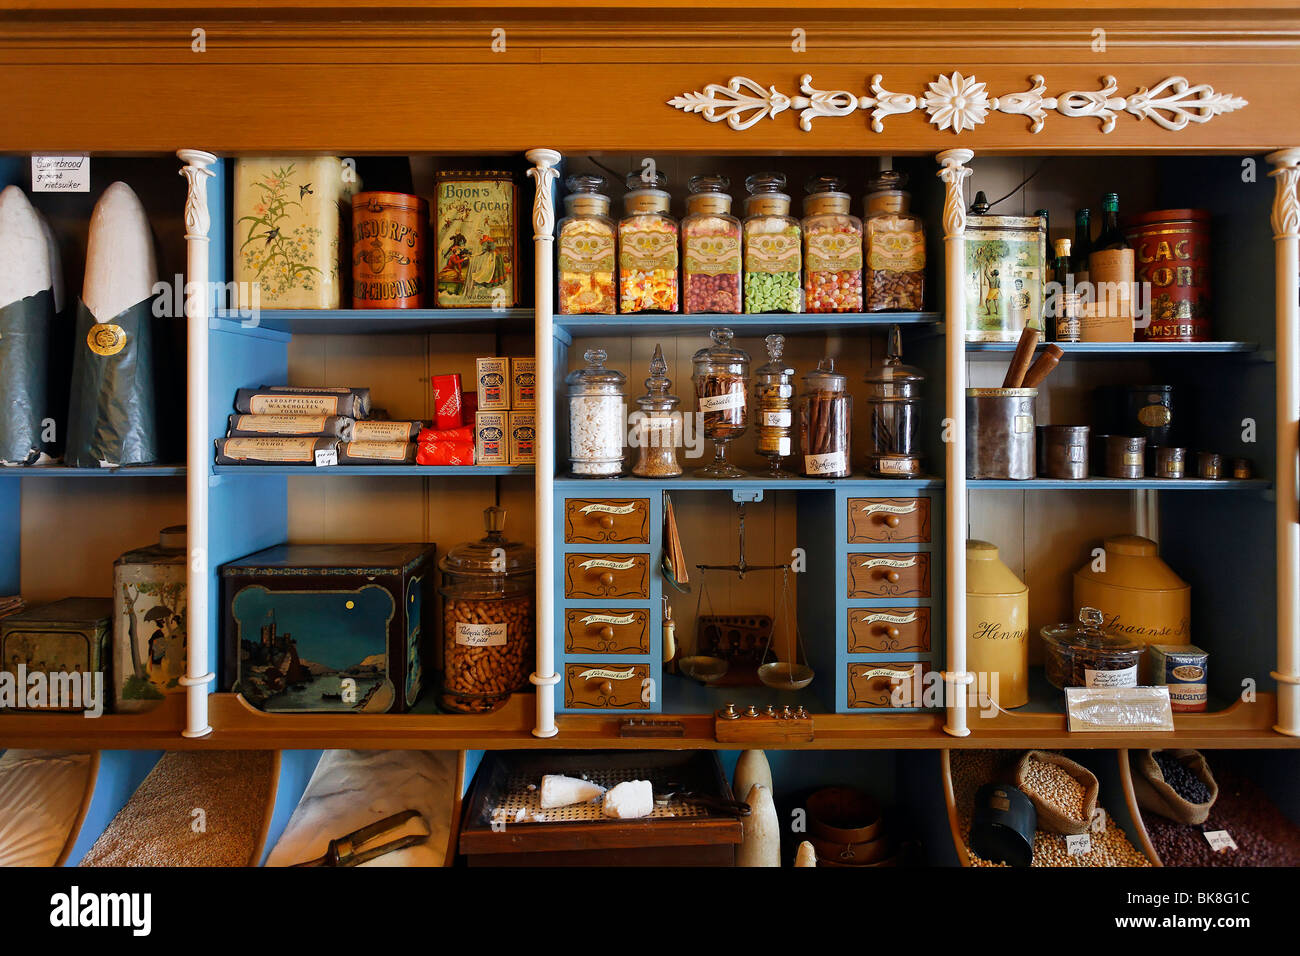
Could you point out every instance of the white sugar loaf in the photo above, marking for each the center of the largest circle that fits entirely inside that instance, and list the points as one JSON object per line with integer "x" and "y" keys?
{"x": 24, "y": 251}
{"x": 120, "y": 265}
{"x": 561, "y": 791}
{"x": 56, "y": 263}
{"x": 805, "y": 855}
{"x": 760, "y": 841}
{"x": 751, "y": 768}
{"x": 629, "y": 800}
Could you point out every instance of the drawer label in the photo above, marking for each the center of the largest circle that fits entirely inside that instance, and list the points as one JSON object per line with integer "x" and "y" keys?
{"x": 885, "y": 507}
{"x": 887, "y": 563}
{"x": 891, "y": 672}
{"x": 889, "y": 618}
{"x": 608, "y": 563}
{"x": 608, "y": 509}
{"x": 608, "y": 619}
{"x": 481, "y": 635}
{"x": 601, "y": 673}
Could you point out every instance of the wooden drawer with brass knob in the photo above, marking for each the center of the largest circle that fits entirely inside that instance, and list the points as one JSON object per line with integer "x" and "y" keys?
{"x": 607, "y": 576}
{"x": 606, "y": 630}
{"x": 607, "y": 520}
{"x": 607, "y": 686}
{"x": 889, "y": 520}
{"x": 886, "y": 685}
{"x": 887, "y": 630}
{"x": 889, "y": 574}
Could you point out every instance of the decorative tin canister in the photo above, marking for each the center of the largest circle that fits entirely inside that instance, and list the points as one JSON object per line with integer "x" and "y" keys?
{"x": 1209, "y": 464}
{"x": 1124, "y": 456}
{"x": 1171, "y": 462}
{"x": 388, "y": 250}
{"x": 1006, "y": 261}
{"x": 1172, "y": 254}
{"x": 1140, "y": 596}
{"x": 1148, "y": 411}
{"x": 997, "y": 624}
{"x": 476, "y": 251}
{"x": 63, "y": 641}
{"x": 1000, "y": 432}
{"x": 1063, "y": 451}
{"x": 149, "y": 622}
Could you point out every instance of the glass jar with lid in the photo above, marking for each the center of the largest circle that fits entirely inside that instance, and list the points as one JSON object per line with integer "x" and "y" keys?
{"x": 489, "y": 619}
{"x": 710, "y": 248}
{"x": 773, "y": 247}
{"x": 1086, "y": 655}
{"x": 774, "y": 408}
{"x": 825, "y": 413}
{"x": 647, "y": 247}
{"x": 658, "y": 424}
{"x": 597, "y": 413}
{"x": 832, "y": 248}
{"x": 895, "y": 247}
{"x": 894, "y": 397}
{"x": 586, "y": 257}
{"x": 721, "y": 378}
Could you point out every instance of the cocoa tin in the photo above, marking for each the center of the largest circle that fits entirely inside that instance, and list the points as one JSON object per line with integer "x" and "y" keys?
{"x": 388, "y": 250}
{"x": 476, "y": 245}
{"x": 1172, "y": 266}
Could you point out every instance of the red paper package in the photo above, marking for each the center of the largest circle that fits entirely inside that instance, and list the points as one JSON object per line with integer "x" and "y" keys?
{"x": 469, "y": 401}
{"x": 448, "y": 402}
{"x": 445, "y": 453}
{"x": 461, "y": 435}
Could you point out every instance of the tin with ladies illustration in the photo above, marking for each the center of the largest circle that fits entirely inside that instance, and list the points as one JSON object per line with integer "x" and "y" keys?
{"x": 476, "y": 241}
{"x": 388, "y": 250}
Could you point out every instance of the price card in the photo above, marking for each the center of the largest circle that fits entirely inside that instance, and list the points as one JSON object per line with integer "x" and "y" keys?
{"x": 1077, "y": 844}
{"x": 1220, "y": 840}
{"x": 1098, "y": 822}
{"x": 61, "y": 174}
{"x": 326, "y": 457}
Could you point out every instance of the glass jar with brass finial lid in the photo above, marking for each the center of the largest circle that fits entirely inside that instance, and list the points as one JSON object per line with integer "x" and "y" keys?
{"x": 894, "y": 399}
{"x": 774, "y": 408}
{"x": 658, "y": 424}
{"x": 721, "y": 378}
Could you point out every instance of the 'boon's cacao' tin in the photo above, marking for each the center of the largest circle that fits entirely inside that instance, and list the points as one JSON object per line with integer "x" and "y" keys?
{"x": 476, "y": 251}
{"x": 388, "y": 250}
{"x": 1172, "y": 252}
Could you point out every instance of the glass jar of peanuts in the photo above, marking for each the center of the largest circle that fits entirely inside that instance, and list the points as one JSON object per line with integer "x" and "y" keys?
{"x": 895, "y": 247}
{"x": 586, "y": 257}
{"x": 597, "y": 416}
{"x": 832, "y": 248}
{"x": 647, "y": 247}
{"x": 489, "y": 619}
{"x": 710, "y": 248}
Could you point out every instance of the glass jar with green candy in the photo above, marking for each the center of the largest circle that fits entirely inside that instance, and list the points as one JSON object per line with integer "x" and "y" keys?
{"x": 773, "y": 247}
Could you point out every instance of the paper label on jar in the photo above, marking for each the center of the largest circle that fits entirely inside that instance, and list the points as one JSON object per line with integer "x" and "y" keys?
{"x": 293, "y": 405}
{"x": 608, "y": 509}
{"x": 646, "y": 249}
{"x": 1077, "y": 844}
{"x": 833, "y": 463}
{"x": 895, "y": 246}
{"x": 712, "y": 255}
{"x": 608, "y": 619}
{"x": 773, "y": 251}
{"x": 887, "y": 507}
{"x": 722, "y": 403}
{"x": 607, "y": 563}
{"x": 894, "y": 465}
{"x": 481, "y": 635}
{"x": 281, "y": 424}
{"x": 778, "y": 419}
{"x": 586, "y": 247}
{"x": 1124, "y": 677}
{"x": 601, "y": 673}
{"x": 887, "y": 563}
{"x": 834, "y": 252}
{"x": 269, "y": 449}
{"x": 881, "y": 618}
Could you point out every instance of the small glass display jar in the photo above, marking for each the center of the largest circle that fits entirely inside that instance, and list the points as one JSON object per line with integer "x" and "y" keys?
{"x": 647, "y": 247}
{"x": 894, "y": 397}
{"x": 721, "y": 379}
{"x": 825, "y": 421}
{"x": 597, "y": 413}
{"x": 774, "y": 408}
{"x": 1086, "y": 655}
{"x": 710, "y": 248}
{"x": 489, "y": 619}
{"x": 773, "y": 247}
{"x": 586, "y": 255}
{"x": 658, "y": 425}
{"x": 832, "y": 248}
{"x": 895, "y": 247}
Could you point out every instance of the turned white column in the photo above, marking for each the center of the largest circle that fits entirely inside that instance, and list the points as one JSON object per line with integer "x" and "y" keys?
{"x": 198, "y": 453}
{"x": 544, "y": 677}
{"x": 1286, "y": 239}
{"x": 955, "y": 677}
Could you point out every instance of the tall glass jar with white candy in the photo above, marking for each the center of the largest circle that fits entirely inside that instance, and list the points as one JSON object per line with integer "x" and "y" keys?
{"x": 597, "y": 417}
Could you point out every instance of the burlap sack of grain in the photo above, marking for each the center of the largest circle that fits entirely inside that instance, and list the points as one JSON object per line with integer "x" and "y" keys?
{"x": 1154, "y": 794}
{"x": 1050, "y": 816}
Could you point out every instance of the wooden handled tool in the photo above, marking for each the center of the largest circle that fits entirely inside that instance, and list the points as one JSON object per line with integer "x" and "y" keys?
{"x": 1020, "y": 361}
{"x": 1050, "y": 358}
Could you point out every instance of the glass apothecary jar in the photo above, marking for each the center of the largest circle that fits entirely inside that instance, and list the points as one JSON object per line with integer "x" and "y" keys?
{"x": 647, "y": 247}
{"x": 1086, "y": 655}
{"x": 597, "y": 412}
{"x": 832, "y": 248}
{"x": 658, "y": 431}
{"x": 825, "y": 421}
{"x": 894, "y": 398}
{"x": 710, "y": 248}
{"x": 586, "y": 258}
{"x": 489, "y": 619}
{"x": 773, "y": 247}
{"x": 895, "y": 247}
{"x": 774, "y": 408}
{"x": 721, "y": 379}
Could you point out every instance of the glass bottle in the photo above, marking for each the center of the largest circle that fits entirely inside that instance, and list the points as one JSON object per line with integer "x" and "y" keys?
{"x": 832, "y": 248}
{"x": 773, "y": 247}
{"x": 597, "y": 412}
{"x": 721, "y": 377}
{"x": 1065, "y": 310}
{"x": 894, "y": 397}
{"x": 1111, "y": 267}
{"x": 1082, "y": 245}
{"x": 647, "y": 247}
{"x": 659, "y": 424}
{"x": 825, "y": 412}
{"x": 586, "y": 257}
{"x": 710, "y": 248}
{"x": 895, "y": 247}
{"x": 774, "y": 408}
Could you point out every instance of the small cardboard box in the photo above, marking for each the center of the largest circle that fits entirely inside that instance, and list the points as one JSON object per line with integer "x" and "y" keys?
{"x": 523, "y": 438}
{"x": 491, "y": 441}
{"x": 523, "y": 384}
{"x": 493, "y": 377}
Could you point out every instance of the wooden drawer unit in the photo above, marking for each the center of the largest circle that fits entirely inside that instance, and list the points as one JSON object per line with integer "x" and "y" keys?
{"x": 606, "y": 630}
{"x": 889, "y": 574}
{"x": 889, "y": 520}
{"x": 607, "y": 520}
{"x": 607, "y": 576}
{"x": 883, "y": 686}
{"x": 888, "y": 630}
{"x": 606, "y": 686}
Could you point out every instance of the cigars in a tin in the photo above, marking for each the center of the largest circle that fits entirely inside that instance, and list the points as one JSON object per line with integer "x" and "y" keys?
{"x": 290, "y": 426}
{"x": 272, "y": 451}
{"x": 350, "y": 403}
{"x": 377, "y": 452}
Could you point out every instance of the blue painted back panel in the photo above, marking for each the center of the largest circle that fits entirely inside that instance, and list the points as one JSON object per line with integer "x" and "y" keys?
{"x": 11, "y": 533}
{"x": 472, "y": 759}
{"x": 296, "y": 768}
{"x": 120, "y": 773}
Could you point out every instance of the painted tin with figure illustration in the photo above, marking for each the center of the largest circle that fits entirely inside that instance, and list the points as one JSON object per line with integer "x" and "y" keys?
{"x": 1005, "y": 269}
{"x": 476, "y": 242}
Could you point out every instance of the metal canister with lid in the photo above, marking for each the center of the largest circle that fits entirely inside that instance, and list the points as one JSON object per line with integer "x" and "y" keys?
{"x": 1063, "y": 451}
{"x": 1000, "y": 432}
{"x": 388, "y": 250}
{"x": 489, "y": 619}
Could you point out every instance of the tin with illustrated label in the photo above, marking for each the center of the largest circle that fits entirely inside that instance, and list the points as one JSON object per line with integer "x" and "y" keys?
{"x": 388, "y": 250}
{"x": 476, "y": 246}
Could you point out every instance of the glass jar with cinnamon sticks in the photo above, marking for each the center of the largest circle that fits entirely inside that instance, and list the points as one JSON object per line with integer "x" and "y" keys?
{"x": 825, "y": 420}
{"x": 721, "y": 379}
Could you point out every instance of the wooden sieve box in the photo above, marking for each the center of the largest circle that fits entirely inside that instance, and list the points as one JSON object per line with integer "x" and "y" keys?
{"x": 677, "y": 835}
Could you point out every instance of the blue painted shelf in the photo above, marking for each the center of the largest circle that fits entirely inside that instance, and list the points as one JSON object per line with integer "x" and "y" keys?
{"x": 978, "y": 350}
{"x": 1123, "y": 484}
{"x": 373, "y": 321}
{"x": 386, "y": 471}
{"x": 902, "y": 486}
{"x": 59, "y": 471}
{"x": 650, "y": 323}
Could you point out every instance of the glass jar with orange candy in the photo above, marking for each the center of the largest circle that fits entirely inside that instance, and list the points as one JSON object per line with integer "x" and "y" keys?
{"x": 647, "y": 246}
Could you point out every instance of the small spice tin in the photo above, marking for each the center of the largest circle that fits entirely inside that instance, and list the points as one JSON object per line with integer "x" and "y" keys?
{"x": 1172, "y": 252}
{"x": 1171, "y": 462}
{"x": 1242, "y": 468}
{"x": 491, "y": 438}
{"x": 1148, "y": 411}
{"x": 1063, "y": 451}
{"x": 1000, "y": 432}
{"x": 1209, "y": 465}
{"x": 523, "y": 438}
{"x": 1124, "y": 456}
{"x": 1006, "y": 260}
{"x": 477, "y": 244}
{"x": 388, "y": 250}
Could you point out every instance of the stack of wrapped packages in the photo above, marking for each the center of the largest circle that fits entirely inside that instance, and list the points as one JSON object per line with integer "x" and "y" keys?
{"x": 451, "y": 439}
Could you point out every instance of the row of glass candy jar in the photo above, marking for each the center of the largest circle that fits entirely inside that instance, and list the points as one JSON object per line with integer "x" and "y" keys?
{"x": 632, "y": 266}
{"x": 597, "y": 410}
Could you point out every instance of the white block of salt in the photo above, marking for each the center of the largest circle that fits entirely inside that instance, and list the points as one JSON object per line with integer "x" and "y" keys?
{"x": 629, "y": 800}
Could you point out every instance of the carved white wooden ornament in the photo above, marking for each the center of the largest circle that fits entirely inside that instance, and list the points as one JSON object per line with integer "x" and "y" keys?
{"x": 959, "y": 103}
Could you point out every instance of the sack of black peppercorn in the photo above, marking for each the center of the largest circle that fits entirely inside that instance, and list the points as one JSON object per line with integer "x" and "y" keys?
{"x": 1177, "y": 784}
